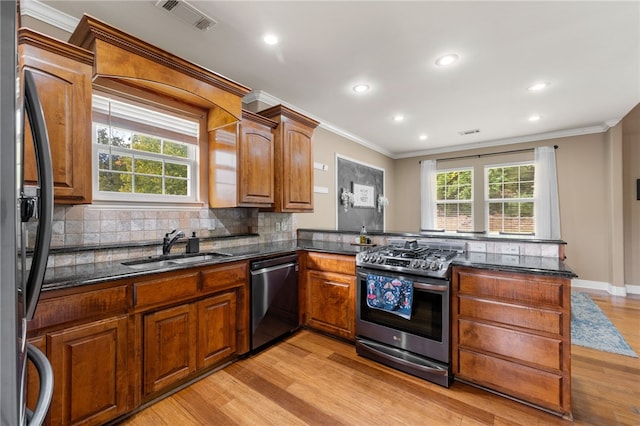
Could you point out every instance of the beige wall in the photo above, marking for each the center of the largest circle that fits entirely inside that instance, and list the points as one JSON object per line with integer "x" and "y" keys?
{"x": 583, "y": 184}
{"x": 631, "y": 172}
{"x": 326, "y": 145}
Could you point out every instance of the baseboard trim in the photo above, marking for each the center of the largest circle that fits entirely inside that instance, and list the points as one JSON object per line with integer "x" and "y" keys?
{"x": 604, "y": 286}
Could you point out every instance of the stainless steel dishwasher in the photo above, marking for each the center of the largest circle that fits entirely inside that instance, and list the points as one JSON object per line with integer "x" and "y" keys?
{"x": 274, "y": 299}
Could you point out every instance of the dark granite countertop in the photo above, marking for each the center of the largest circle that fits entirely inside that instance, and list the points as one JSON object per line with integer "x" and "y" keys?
{"x": 511, "y": 263}
{"x": 93, "y": 273}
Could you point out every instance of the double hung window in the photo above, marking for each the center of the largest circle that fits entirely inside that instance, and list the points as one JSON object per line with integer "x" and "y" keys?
{"x": 509, "y": 198}
{"x": 142, "y": 154}
{"x": 454, "y": 200}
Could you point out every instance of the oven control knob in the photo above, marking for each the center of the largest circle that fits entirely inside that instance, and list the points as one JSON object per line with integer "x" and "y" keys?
{"x": 381, "y": 260}
{"x": 435, "y": 265}
{"x": 425, "y": 265}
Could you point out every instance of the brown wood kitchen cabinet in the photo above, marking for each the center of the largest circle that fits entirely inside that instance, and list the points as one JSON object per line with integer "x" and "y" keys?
{"x": 246, "y": 178}
{"x": 90, "y": 365}
{"x": 62, "y": 73}
{"x": 85, "y": 336}
{"x": 116, "y": 345}
{"x": 328, "y": 293}
{"x": 511, "y": 333}
{"x": 293, "y": 159}
{"x": 189, "y": 320}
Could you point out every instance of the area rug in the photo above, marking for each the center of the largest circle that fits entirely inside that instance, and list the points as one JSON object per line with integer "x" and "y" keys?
{"x": 591, "y": 328}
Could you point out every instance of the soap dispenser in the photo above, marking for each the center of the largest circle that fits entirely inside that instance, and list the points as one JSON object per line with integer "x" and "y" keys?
{"x": 193, "y": 245}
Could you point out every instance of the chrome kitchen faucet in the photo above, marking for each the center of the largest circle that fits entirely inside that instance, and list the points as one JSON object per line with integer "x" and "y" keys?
{"x": 168, "y": 242}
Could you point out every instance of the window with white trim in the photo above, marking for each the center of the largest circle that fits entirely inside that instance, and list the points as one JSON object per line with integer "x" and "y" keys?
{"x": 454, "y": 200}
{"x": 509, "y": 198}
{"x": 142, "y": 154}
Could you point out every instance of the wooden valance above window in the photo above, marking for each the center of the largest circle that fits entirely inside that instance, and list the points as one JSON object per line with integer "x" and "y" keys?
{"x": 133, "y": 62}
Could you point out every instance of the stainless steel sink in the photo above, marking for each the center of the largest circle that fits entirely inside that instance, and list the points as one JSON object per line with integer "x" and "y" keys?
{"x": 173, "y": 260}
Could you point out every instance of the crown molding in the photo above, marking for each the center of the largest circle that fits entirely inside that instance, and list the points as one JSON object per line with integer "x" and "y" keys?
{"x": 509, "y": 141}
{"x": 48, "y": 15}
{"x": 264, "y": 97}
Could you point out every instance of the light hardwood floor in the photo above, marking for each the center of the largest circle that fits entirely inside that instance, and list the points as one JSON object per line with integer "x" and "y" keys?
{"x": 311, "y": 379}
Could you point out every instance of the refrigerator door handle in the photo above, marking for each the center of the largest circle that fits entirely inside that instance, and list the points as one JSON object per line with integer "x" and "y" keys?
{"x": 36, "y": 418}
{"x": 45, "y": 205}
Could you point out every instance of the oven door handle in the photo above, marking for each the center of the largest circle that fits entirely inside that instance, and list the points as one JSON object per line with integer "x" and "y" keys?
{"x": 431, "y": 287}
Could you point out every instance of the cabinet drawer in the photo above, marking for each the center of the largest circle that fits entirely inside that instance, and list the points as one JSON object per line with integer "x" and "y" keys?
{"x": 543, "y": 351}
{"x": 539, "y": 387}
{"x": 522, "y": 316}
{"x": 224, "y": 276}
{"x": 509, "y": 286}
{"x": 341, "y": 264}
{"x": 165, "y": 290}
{"x": 59, "y": 310}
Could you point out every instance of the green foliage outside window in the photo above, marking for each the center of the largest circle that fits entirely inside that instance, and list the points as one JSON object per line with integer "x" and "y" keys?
{"x": 510, "y": 198}
{"x": 129, "y": 170}
{"x": 454, "y": 196}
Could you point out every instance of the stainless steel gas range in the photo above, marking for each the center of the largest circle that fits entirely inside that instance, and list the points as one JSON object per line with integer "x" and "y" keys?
{"x": 402, "y": 306}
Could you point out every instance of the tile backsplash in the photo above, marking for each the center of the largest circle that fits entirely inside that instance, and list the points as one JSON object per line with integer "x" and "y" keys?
{"x": 81, "y": 226}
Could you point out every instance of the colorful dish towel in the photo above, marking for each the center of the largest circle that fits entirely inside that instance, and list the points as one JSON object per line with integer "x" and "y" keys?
{"x": 393, "y": 295}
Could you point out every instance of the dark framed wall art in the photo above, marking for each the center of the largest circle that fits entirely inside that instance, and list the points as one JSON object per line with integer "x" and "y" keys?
{"x": 358, "y": 187}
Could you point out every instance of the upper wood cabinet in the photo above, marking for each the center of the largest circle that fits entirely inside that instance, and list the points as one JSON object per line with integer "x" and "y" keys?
{"x": 62, "y": 73}
{"x": 241, "y": 163}
{"x": 293, "y": 159}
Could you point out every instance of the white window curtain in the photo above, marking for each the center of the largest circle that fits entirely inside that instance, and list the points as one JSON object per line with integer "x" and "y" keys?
{"x": 545, "y": 193}
{"x": 428, "y": 194}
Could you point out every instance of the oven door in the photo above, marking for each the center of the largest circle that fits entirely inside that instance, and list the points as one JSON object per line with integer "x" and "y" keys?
{"x": 425, "y": 334}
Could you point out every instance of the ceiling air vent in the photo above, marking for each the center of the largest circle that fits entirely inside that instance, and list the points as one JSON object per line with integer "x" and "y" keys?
{"x": 469, "y": 132}
{"x": 187, "y": 13}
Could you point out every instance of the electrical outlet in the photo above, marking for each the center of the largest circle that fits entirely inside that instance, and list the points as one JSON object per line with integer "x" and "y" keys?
{"x": 277, "y": 226}
{"x": 478, "y": 247}
{"x": 283, "y": 225}
{"x": 510, "y": 249}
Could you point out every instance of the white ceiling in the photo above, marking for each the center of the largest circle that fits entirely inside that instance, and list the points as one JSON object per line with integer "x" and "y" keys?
{"x": 589, "y": 52}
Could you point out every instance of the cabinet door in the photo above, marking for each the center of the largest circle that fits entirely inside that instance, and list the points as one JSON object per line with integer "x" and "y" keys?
{"x": 331, "y": 302}
{"x": 169, "y": 347}
{"x": 90, "y": 370}
{"x": 255, "y": 165}
{"x": 296, "y": 174}
{"x": 216, "y": 328}
{"x": 62, "y": 74}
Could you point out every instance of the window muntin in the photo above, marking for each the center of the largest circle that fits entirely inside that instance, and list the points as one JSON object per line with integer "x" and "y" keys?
{"x": 454, "y": 200}
{"x": 509, "y": 198}
{"x": 143, "y": 155}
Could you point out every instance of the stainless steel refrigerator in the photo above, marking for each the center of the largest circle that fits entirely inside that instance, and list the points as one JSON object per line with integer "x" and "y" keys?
{"x": 22, "y": 268}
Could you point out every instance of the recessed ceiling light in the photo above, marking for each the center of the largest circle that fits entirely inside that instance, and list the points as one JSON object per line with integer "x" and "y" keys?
{"x": 538, "y": 86}
{"x": 445, "y": 60}
{"x": 398, "y": 118}
{"x": 534, "y": 117}
{"x": 361, "y": 88}
{"x": 423, "y": 137}
{"x": 270, "y": 39}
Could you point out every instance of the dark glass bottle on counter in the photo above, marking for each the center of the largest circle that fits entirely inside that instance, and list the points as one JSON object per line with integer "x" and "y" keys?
{"x": 193, "y": 244}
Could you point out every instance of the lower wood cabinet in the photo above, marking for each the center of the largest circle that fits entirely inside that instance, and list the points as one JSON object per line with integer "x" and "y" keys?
{"x": 90, "y": 367}
{"x": 217, "y": 337}
{"x": 117, "y": 345}
{"x": 180, "y": 340}
{"x": 328, "y": 293}
{"x": 169, "y": 347}
{"x": 511, "y": 333}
